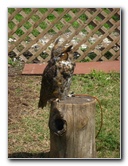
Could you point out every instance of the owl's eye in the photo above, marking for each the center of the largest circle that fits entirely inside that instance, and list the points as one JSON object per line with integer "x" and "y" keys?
{"x": 61, "y": 54}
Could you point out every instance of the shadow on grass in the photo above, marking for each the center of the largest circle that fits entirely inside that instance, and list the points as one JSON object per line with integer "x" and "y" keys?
{"x": 29, "y": 155}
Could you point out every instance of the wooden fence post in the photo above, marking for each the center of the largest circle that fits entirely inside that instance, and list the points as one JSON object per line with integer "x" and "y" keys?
{"x": 72, "y": 128}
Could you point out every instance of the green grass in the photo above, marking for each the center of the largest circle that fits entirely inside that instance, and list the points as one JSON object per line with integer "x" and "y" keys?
{"x": 19, "y": 17}
{"x": 30, "y": 133}
{"x": 106, "y": 88}
{"x": 11, "y": 10}
{"x": 27, "y": 10}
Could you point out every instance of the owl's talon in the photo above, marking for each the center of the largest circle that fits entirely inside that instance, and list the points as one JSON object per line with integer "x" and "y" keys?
{"x": 57, "y": 100}
{"x": 71, "y": 94}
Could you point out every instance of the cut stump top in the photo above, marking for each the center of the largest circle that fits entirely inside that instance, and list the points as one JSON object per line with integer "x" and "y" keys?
{"x": 78, "y": 100}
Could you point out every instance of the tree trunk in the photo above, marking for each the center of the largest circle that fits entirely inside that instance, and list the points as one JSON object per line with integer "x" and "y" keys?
{"x": 72, "y": 128}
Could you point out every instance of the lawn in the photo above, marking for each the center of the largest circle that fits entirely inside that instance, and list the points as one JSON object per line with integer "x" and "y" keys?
{"x": 28, "y": 132}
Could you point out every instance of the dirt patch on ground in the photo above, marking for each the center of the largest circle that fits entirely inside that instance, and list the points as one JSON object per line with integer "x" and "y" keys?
{"x": 28, "y": 133}
{"x": 22, "y": 93}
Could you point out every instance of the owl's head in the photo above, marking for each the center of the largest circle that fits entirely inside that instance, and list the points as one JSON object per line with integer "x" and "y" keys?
{"x": 60, "y": 52}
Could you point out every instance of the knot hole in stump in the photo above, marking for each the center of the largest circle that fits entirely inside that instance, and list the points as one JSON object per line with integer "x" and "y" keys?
{"x": 57, "y": 124}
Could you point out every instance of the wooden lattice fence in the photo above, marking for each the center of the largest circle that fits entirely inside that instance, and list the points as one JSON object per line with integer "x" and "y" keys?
{"x": 94, "y": 32}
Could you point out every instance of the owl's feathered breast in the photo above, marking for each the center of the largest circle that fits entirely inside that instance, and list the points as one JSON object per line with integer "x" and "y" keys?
{"x": 55, "y": 76}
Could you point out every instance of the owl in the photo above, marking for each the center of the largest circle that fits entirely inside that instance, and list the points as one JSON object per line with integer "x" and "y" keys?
{"x": 57, "y": 75}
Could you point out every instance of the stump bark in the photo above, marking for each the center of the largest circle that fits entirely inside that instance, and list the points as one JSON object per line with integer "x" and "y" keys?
{"x": 72, "y": 128}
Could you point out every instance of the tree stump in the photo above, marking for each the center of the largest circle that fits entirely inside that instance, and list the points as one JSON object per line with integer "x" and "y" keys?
{"x": 72, "y": 128}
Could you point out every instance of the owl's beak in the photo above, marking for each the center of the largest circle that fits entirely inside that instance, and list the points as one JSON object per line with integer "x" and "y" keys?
{"x": 56, "y": 58}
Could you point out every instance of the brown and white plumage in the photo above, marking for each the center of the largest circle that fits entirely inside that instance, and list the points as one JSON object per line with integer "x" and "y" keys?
{"x": 56, "y": 78}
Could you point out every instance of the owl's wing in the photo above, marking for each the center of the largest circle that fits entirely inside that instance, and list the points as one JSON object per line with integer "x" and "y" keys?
{"x": 47, "y": 84}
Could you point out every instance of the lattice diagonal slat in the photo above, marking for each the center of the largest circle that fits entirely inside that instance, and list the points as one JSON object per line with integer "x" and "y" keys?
{"x": 94, "y": 32}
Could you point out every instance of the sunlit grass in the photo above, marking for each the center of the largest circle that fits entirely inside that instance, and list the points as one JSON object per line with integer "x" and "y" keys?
{"x": 31, "y": 133}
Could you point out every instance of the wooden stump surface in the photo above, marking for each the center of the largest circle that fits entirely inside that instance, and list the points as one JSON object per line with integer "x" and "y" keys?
{"x": 72, "y": 128}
